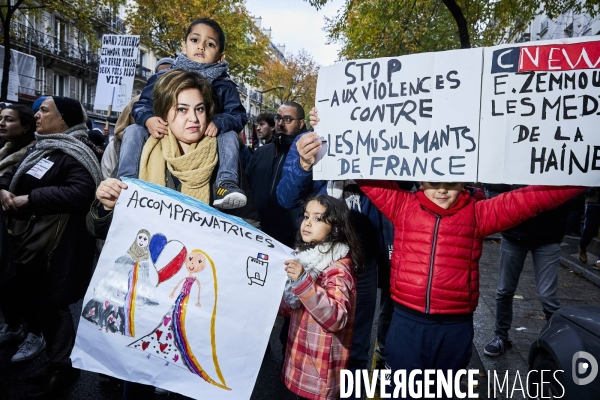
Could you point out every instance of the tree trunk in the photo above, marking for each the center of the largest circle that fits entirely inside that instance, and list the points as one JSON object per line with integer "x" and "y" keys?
{"x": 10, "y": 10}
{"x": 461, "y": 22}
{"x": 7, "y": 47}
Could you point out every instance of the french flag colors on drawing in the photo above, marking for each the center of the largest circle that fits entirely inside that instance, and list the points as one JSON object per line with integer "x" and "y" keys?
{"x": 263, "y": 256}
{"x": 130, "y": 301}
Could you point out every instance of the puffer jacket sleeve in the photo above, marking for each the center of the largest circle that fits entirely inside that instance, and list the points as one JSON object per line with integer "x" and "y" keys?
{"x": 73, "y": 195}
{"x": 329, "y": 304}
{"x": 143, "y": 108}
{"x": 98, "y": 225}
{"x": 295, "y": 183}
{"x": 232, "y": 115}
{"x": 511, "y": 208}
{"x": 386, "y": 195}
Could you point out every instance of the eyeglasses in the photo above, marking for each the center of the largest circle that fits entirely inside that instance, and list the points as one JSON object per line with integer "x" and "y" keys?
{"x": 286, "y": 120}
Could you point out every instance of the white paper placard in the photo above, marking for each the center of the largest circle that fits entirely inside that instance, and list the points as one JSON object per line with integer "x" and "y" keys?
{"x": 540, "y": 113}
{"x": 141, "y": 320}
{"x": 116, "y": 72}
{"x": 405, "y": 118}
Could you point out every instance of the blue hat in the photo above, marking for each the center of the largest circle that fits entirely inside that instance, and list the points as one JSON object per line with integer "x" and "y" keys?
{"x": 36, "y": 104}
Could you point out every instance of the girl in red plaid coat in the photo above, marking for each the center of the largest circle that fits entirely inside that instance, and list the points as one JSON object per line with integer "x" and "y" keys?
{"x": 320, "y": 298}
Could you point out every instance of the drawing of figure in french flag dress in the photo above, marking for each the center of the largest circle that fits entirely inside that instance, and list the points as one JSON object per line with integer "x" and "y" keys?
{"x": 169, "y": 340}
{"x": 124, "y": 289}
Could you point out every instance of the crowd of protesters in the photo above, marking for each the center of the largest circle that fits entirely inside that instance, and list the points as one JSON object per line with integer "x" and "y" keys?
{"x": 59, "y": 182}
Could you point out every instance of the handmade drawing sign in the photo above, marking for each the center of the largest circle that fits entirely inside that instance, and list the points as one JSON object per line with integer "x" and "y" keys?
{"x": 170, "y": 303}
{"x": 116, "y": 72}
{"x": 406, "y": 118}
{"x": 540, "y": 112}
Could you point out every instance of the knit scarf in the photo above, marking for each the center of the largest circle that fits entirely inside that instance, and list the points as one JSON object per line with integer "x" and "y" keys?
{"x": 193, "y": 169}
{"x": 314, "y": 261}
{"x": 210, "y": 72}
{"x": 346, "y": 190}
{"x": 69, "y": 142}
{"x": 9, "y": 157}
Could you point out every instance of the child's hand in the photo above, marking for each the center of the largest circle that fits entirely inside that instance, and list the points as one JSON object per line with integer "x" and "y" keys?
{"x": 314, "y": 117}
{"x": 157, "y": 127}
{"x": 171, "y": 295}
{"x": 211, "y": 130}
{"x": 294, "y": 269}
{"x": 308, "y": 146}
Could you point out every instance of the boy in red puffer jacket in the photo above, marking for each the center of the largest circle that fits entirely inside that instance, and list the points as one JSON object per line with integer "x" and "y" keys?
{"x": 438, "y": 239}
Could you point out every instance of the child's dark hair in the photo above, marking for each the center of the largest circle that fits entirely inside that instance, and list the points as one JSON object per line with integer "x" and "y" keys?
{"x": 213, "y": 24}
{"x": 337, "y": 215}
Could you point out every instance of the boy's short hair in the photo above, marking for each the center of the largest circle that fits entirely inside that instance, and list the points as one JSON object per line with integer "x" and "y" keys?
{"x": 213, "y": 24}
{"x": 269, "y": 118}
{"x": 171, "y": 83}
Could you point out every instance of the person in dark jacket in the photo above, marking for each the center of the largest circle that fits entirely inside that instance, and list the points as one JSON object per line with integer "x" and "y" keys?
{"x": 17, "y": 127}
{"x": 542, "y": 236}
{"x": 591, "y": 224}
{"x": 58, "y": 175}
{"x": 245, "y": 152}
{"x": 265, "y": 128}
{"x": 264, "y": 174}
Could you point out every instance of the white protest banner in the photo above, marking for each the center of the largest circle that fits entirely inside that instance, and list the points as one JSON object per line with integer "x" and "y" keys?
{"x": 183, "y": 297}
{"x": 21, "y": 77}
{"x": 540, "y": 113}
{"x": 407, "y": 118}
{"x": 116, "y": 72}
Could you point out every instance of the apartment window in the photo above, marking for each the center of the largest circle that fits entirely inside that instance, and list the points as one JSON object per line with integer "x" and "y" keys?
{"x": 59, "y": 85}
{"x": 142, "y": 58}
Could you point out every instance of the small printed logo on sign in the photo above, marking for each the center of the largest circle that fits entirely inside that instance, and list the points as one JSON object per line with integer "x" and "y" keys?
{"x": 256, "y": 269}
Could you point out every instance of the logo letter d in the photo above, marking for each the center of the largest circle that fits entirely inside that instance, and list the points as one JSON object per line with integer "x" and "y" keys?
{"x": 581, "y": 367}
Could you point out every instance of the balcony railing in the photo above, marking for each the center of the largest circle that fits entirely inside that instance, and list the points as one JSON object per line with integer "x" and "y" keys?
{"x": 256, "y": 96}
{"x": 39, "y": 40}
{"x": 105, "y": 16}
{"x": 143, "y": 72}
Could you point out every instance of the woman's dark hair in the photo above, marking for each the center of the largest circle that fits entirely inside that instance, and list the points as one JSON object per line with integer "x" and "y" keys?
{"x": 26, "y": 118}
{"x": 337, "y": 215}
{"x": 213, "y": 24}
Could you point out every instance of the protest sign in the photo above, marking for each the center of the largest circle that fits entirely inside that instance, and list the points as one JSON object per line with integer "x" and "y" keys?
{"x": 116, "y": 72}
{"x": 407, "y": 118}
{"x": 183, "y": 297}
{"x": 21, "y": 76}
{"x": 540, "y": 113}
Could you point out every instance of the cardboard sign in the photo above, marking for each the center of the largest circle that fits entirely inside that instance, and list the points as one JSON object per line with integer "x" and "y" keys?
{"x": 406, "y": 118}
{"x": 183, "y": 297}
{"x": 116, "y": 72}
{"x": 540, "y": 112}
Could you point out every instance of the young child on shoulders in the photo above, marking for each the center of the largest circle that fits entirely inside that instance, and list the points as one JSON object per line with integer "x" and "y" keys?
{"x": 320, "y": 298}
{"x": 203, "y": 52}
{"x": 434, "y": 281}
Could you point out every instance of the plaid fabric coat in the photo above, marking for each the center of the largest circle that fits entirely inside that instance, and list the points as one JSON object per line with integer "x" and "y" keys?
{"x": 320, "y": 333}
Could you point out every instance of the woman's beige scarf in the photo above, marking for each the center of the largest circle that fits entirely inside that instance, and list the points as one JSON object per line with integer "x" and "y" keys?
{"x": 193, "y": 169}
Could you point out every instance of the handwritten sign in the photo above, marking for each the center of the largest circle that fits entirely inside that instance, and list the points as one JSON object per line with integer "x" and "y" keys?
{"x": 183, "y": 297}
{"x": 540, "y": 112}
{"x": 116, "y": 72}
{"x": 407, "y": 118}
